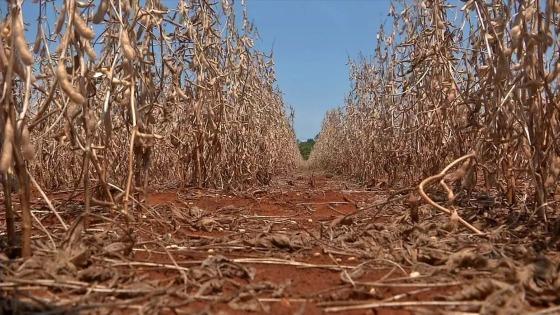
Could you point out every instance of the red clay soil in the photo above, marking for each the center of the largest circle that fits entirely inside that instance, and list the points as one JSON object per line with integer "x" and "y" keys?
{"x": 288, "y": 248}
{"x": 306, "y": 201}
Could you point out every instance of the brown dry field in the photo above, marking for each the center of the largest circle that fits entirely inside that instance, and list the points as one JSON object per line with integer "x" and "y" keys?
{"x": 306, "y": 244}
{"x": 115, "y": 96}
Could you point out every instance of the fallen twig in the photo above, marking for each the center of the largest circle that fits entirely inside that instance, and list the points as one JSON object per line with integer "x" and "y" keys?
{"x": 401, "y": 304}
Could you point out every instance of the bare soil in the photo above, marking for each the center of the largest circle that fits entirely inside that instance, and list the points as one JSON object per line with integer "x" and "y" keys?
{"x": 306, "y": 244}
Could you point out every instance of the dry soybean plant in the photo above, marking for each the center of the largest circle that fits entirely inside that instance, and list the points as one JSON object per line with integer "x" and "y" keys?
{"x": 446, "y": 82}
{"x": 116, "y": 96}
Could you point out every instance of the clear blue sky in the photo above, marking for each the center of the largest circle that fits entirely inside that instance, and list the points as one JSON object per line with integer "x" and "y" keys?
{"x": 312, "y": 41}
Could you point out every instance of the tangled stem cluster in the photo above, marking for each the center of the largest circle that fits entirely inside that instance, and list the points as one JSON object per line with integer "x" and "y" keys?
{"x": 449, "y": 80}
{"x": 117, "y": 96}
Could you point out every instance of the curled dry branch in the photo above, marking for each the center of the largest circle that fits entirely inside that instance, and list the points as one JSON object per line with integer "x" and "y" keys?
{"x": 440, "y": 176}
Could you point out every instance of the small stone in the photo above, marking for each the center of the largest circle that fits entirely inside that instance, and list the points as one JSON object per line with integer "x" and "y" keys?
{"x": 310, "y": 220}
{"x": 351, "y": 258}
{"x": 210, "y": 251}
{"x": 316, "y": 254}
{"x": 414, "y": 274}
{"x": 241, "y": 230}
{"x": 338, "y": 260}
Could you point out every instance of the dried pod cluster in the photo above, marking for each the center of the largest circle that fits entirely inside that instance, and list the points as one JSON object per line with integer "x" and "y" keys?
{"x": 134, "y": 95}
{"x": 438, "y": 88}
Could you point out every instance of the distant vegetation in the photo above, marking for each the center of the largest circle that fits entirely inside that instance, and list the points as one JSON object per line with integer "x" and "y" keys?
{"x": 306, "y": 147}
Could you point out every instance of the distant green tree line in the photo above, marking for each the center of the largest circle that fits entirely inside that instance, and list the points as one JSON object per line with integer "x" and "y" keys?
{"x": 306, "y": 147}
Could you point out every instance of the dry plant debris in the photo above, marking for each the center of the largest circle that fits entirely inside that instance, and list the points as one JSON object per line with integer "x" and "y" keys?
{"x": 271, "y": 255}
{"x": 148, "y": 165}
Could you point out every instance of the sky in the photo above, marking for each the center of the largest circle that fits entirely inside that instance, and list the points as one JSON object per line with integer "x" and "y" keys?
{"x": 311, "y": 42}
